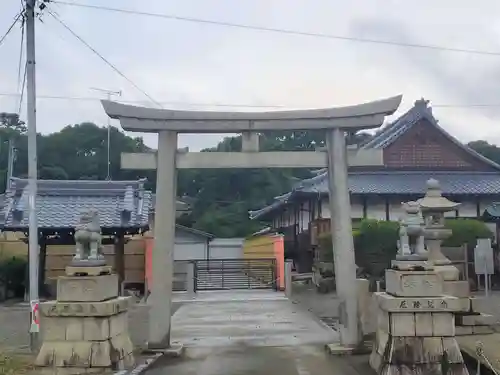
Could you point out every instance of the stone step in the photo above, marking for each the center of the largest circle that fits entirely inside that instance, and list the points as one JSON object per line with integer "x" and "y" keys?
{"x": 473, "y": 330}
{"x": 475, "y": 319}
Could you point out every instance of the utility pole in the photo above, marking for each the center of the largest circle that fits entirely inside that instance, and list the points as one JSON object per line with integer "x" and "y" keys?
{"x": 108, "y": 93}
{"x": 32, "y": 165}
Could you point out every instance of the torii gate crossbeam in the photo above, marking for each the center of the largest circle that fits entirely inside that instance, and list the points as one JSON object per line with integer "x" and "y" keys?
{"x": 168, "y": 123}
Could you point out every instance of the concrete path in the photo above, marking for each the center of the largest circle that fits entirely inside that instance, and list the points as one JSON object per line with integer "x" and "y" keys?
{"x": 248, "y": 332}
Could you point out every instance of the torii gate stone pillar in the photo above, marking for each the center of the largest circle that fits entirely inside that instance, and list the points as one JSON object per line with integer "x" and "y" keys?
{"x": 168, "y": 123}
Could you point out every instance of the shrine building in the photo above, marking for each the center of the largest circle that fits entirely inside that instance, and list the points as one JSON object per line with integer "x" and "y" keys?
{"x": 415, "y": 148}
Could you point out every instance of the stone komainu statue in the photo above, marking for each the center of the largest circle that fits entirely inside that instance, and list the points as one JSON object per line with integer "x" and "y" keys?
{"x": 411, "y": 230}
{"x": 88, "y": 237}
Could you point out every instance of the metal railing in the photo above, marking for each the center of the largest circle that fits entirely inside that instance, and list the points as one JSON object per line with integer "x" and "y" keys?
{"x": 225, "y": 274}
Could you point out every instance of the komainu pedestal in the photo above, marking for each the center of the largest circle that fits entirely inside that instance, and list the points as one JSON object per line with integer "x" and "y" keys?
{"x": 86, "y": 329}
{"x": 83, "y": 336}
{"x": 416, "y": 326}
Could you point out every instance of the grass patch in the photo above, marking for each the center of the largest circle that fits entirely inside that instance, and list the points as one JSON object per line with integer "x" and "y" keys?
{"x": 14, "y": 364}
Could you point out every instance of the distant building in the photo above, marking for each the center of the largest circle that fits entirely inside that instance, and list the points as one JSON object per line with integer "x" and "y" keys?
{"x": 415, "y": 148}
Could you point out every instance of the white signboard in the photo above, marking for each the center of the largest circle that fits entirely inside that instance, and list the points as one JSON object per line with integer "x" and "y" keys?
{"x": 483, "y": 257}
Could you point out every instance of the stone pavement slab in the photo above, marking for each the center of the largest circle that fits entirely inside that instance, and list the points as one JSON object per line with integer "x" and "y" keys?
{"x": 250, "y": 332}
{"x": 241, "y": 359}
{"x": 261, "y": 318}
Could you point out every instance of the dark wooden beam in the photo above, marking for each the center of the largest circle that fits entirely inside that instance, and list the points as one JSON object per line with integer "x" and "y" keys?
{"x": 41, "y": 266}
{"x": 67, "y": 240}
{"x": 119, "y": 247}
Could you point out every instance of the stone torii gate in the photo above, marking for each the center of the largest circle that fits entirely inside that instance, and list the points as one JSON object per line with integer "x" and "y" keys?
{"x": 168, "y": 123}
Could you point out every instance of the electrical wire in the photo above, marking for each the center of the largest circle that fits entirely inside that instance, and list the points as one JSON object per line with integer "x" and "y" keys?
{"x": 214, "y": 104}
{"x": 279, "y": 30}
{"x": 21, "y": 81}
{"x": 21, "y": 95}
{"x": 103, "y": 58}
{"x": 16, "y": 18}
{"x": 208, "y": 104}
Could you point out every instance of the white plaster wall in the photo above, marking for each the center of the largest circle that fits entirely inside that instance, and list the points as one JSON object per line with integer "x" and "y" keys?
{"x": 325, "y": 209}
{"x": 395, "y": 210}
{"x": 356, "y": 208}
{"x": 304, "y": 216}
{"x": 190, "y": 249}
{"x": 467, "y": 209}
{"x": 376, "y": 209}
{"x": 226, "y": 248}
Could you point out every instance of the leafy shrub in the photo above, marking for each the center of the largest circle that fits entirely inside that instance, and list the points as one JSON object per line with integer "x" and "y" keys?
{"x": 12, "y": 275}
{"x": 376, "y": 245}
{"x": 466, "y": 231}
{"x": 375, "y": 242}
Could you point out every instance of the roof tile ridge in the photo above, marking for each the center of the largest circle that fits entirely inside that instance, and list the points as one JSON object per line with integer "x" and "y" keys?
{"x": 419, "y": 109}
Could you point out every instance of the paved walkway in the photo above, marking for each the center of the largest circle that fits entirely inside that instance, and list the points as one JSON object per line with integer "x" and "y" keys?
{"x": 249, "y": 332}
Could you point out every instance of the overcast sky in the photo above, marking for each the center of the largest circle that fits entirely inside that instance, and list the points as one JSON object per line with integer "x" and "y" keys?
{"x": 185, "y": 62}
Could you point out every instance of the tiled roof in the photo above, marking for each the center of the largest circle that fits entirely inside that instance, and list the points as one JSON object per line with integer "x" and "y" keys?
{"x": 397, "y": 182}
{"x": 419, "y": 111}
{"x": 121, "y": 204}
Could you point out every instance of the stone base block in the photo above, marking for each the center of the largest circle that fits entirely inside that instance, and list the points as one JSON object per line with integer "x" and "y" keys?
{"x": 456, "y": 288}
{"x": 416, "y": 355}
{"x": 70, "y": 371}
{"x": 390, "y": 303}
{"x": 448, "y": 272}
{"x": 477, "y": 303}
{"x": 85, "y": 309}
{"x": 87, "y": 288}
{"x": 83, "y": 328}
{"x": 115, "y": 354}
{"x": 413, "y": 283}
{"x": 437, "y": 324}
{"x": 88, "y": 270}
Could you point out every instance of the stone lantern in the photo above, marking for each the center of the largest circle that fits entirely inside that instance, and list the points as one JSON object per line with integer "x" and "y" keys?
{"x": 433, "y": 206}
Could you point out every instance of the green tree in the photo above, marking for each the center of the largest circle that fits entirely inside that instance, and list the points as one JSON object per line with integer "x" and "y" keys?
{"x": 486, "y": 149}
{"x": 220, "y": 198}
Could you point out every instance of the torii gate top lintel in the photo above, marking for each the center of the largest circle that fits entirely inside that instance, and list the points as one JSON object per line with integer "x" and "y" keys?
{"x": 356, "y": 117}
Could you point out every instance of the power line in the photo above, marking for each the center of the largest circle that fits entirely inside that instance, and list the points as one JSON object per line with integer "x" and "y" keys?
{"x": 229, "y": 105}
{"x": 20, "y": 86}
{"x": 280, "y": 30}
{"x": 103, "y": 58}
{"x": 16, "y": 18}
{"x": 83, "y": 98}
{"x": 21, "y": 95}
